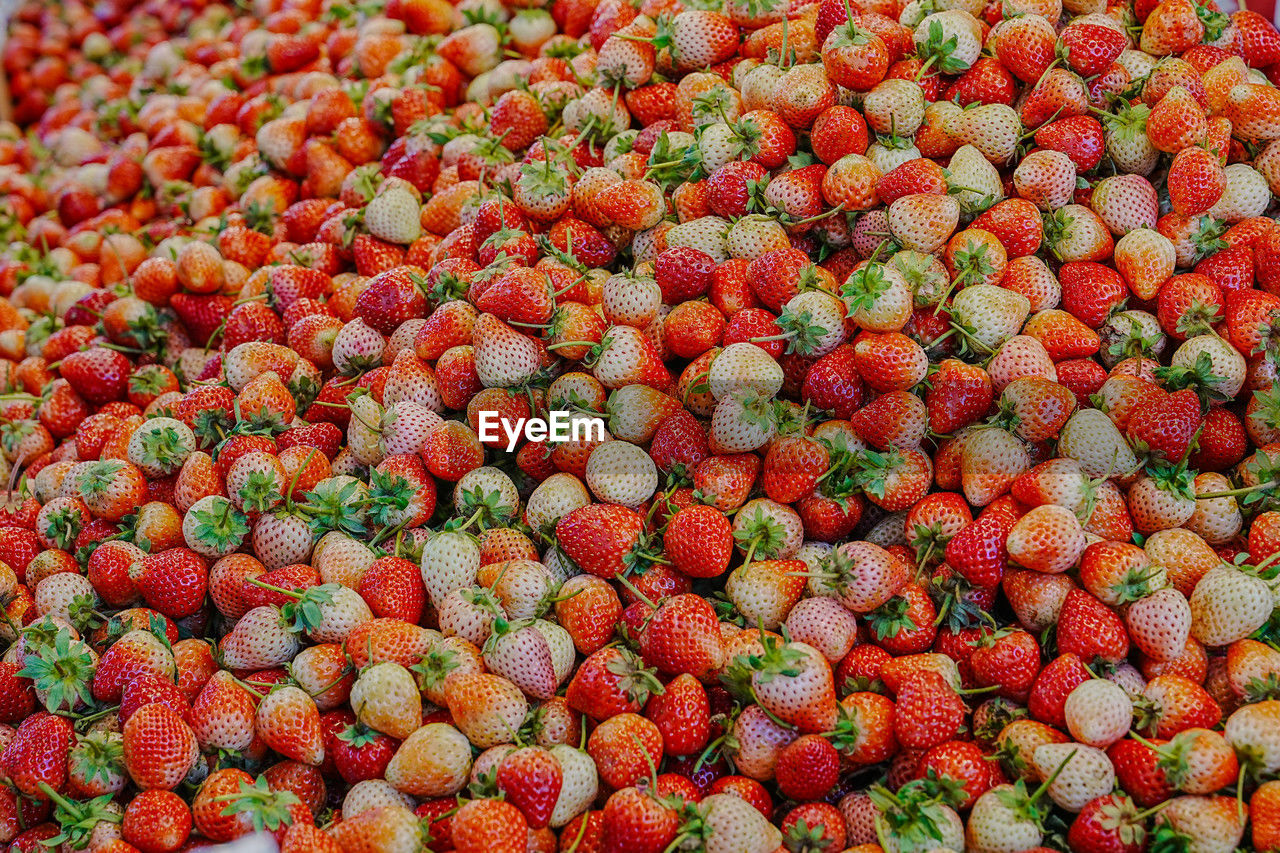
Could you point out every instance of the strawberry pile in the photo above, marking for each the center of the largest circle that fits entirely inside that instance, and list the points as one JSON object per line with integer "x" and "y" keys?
{"x": 925, "y": 355}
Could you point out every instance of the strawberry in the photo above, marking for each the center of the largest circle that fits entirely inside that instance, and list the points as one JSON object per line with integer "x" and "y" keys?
{"x": 1172, "y": 27}
{"x": 1196, "y": 181}
{"x": 681, "y": 636}
{"x": 928, "y": 711}
{"x": 635, "y": 819}
{"x": 1089, "y": 629}
{"x": 1224, "y": 603}
{"x": 156, "y": 819}
{"x": 531, "y": 778}
{"x": 158, "y": 747}
{"x": 98, "y": 374}
{"x": 599, "y": 537}
{"x": 36, "y": 758}
{"x": 1166, "y": 426}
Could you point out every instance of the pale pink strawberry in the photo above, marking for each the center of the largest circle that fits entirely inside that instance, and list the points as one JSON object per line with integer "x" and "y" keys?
{"x": 1048, "y": 539}
{"x": 289, "y": 723}
{"x": 522, "y": 656}
{"x": 1046, "y": 178}
{"x": 627, "y": 356}
{"x": 281, "y": 538}
{"x": 503, "y": 356}
{"x": 357, "y": 348}
{"x": 1160, "y": 623}
{"x": 260, "y": 640}
{"x": 923, "y": 222}
{"x": 1125, "y": 203}
{"x": 991, "y": 459}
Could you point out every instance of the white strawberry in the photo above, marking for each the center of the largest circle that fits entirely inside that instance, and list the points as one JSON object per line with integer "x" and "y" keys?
{"x": 989, "y": 314}
{"x": 742, "y": 423}
{"x": 973, "y": 180}
{"x": 619, "y": 472}
{"x": 504, "y": 357}
{"x": 405, "y": 427}
{"x": 1083, "y": 773}
{"x": 394, "y": 214}
{"x": 1098, "y": 713}
{"x": 743, "y": 367}
{"x": 1091, "y": 439}
{"x": 1228, "y": 604}
{"x": 450, "y": 560}
{"x": 1160, "y": 623}
{"x": 522, "y": 656}
{"x": 993, "y": 129}
{"x": 357, "y": 348}
{"x": 580, "y": 785}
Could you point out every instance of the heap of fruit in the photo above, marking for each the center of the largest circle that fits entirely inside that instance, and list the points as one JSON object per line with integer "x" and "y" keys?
{"x": 937, "y": 504}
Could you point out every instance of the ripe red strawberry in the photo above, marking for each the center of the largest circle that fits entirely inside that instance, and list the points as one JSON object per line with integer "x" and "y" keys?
{"x": 202, "y": 314}
{"x": 1008, "y": 660}
{"x": 928, "y": 711}
{"x": 392, "y": 586}
{"x": 959, "y": 394}
{"x": 1091, "y": 48}
{"x": 173, "y": 581}
{"x": 158, "y": 747}
{"x": 531, "y": 778}
{"x": 1091, "y": 291}
{"x": 682, "y": 713}
{"x": 99, "y": 375}
{"x": 1138, "y": 771}
{"x": 977, "y": 551}
{"x": 1089, "y": 629}
{"x": 37, "y": 755}
{"x": 599, "y": 537}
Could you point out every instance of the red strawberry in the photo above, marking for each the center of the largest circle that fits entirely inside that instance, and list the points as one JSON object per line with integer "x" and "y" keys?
{"x": 1090, "y": 629}
{"x": 600, "y": 537}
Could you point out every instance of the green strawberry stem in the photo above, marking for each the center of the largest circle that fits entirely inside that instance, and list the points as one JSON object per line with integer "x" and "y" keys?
{"x": 1267, "y": 563}
{"x": 1240, "y": 812}
{"x": 778, "y": 721}
{"x": 1243, "y": 490}
{"x": 570, "y": 286}
{"x": 258, "y": 694}
{"x": 292, "y": 593}
{"x": 825, "y": 215}
{"x": 121, "y": 348}
{"x": 973, "y": 691}
{"x": 332, "y": 684}
{"x": 1044, "y": 786}
{"x": 293, "y": 482}
{"x": 582, "y": 833}
{"x": 970, "y": 339}
{"x": 1151, "y": 812}
{"x": 88, "y": 718}
{"x": 630, "y": 587}
{"x": 371, "y": 427}
{"x": 470, "y": 521}
{"x": 706, "y": 754}
{"x": 55, "y": 797}
{"x": 385, "y": 532}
